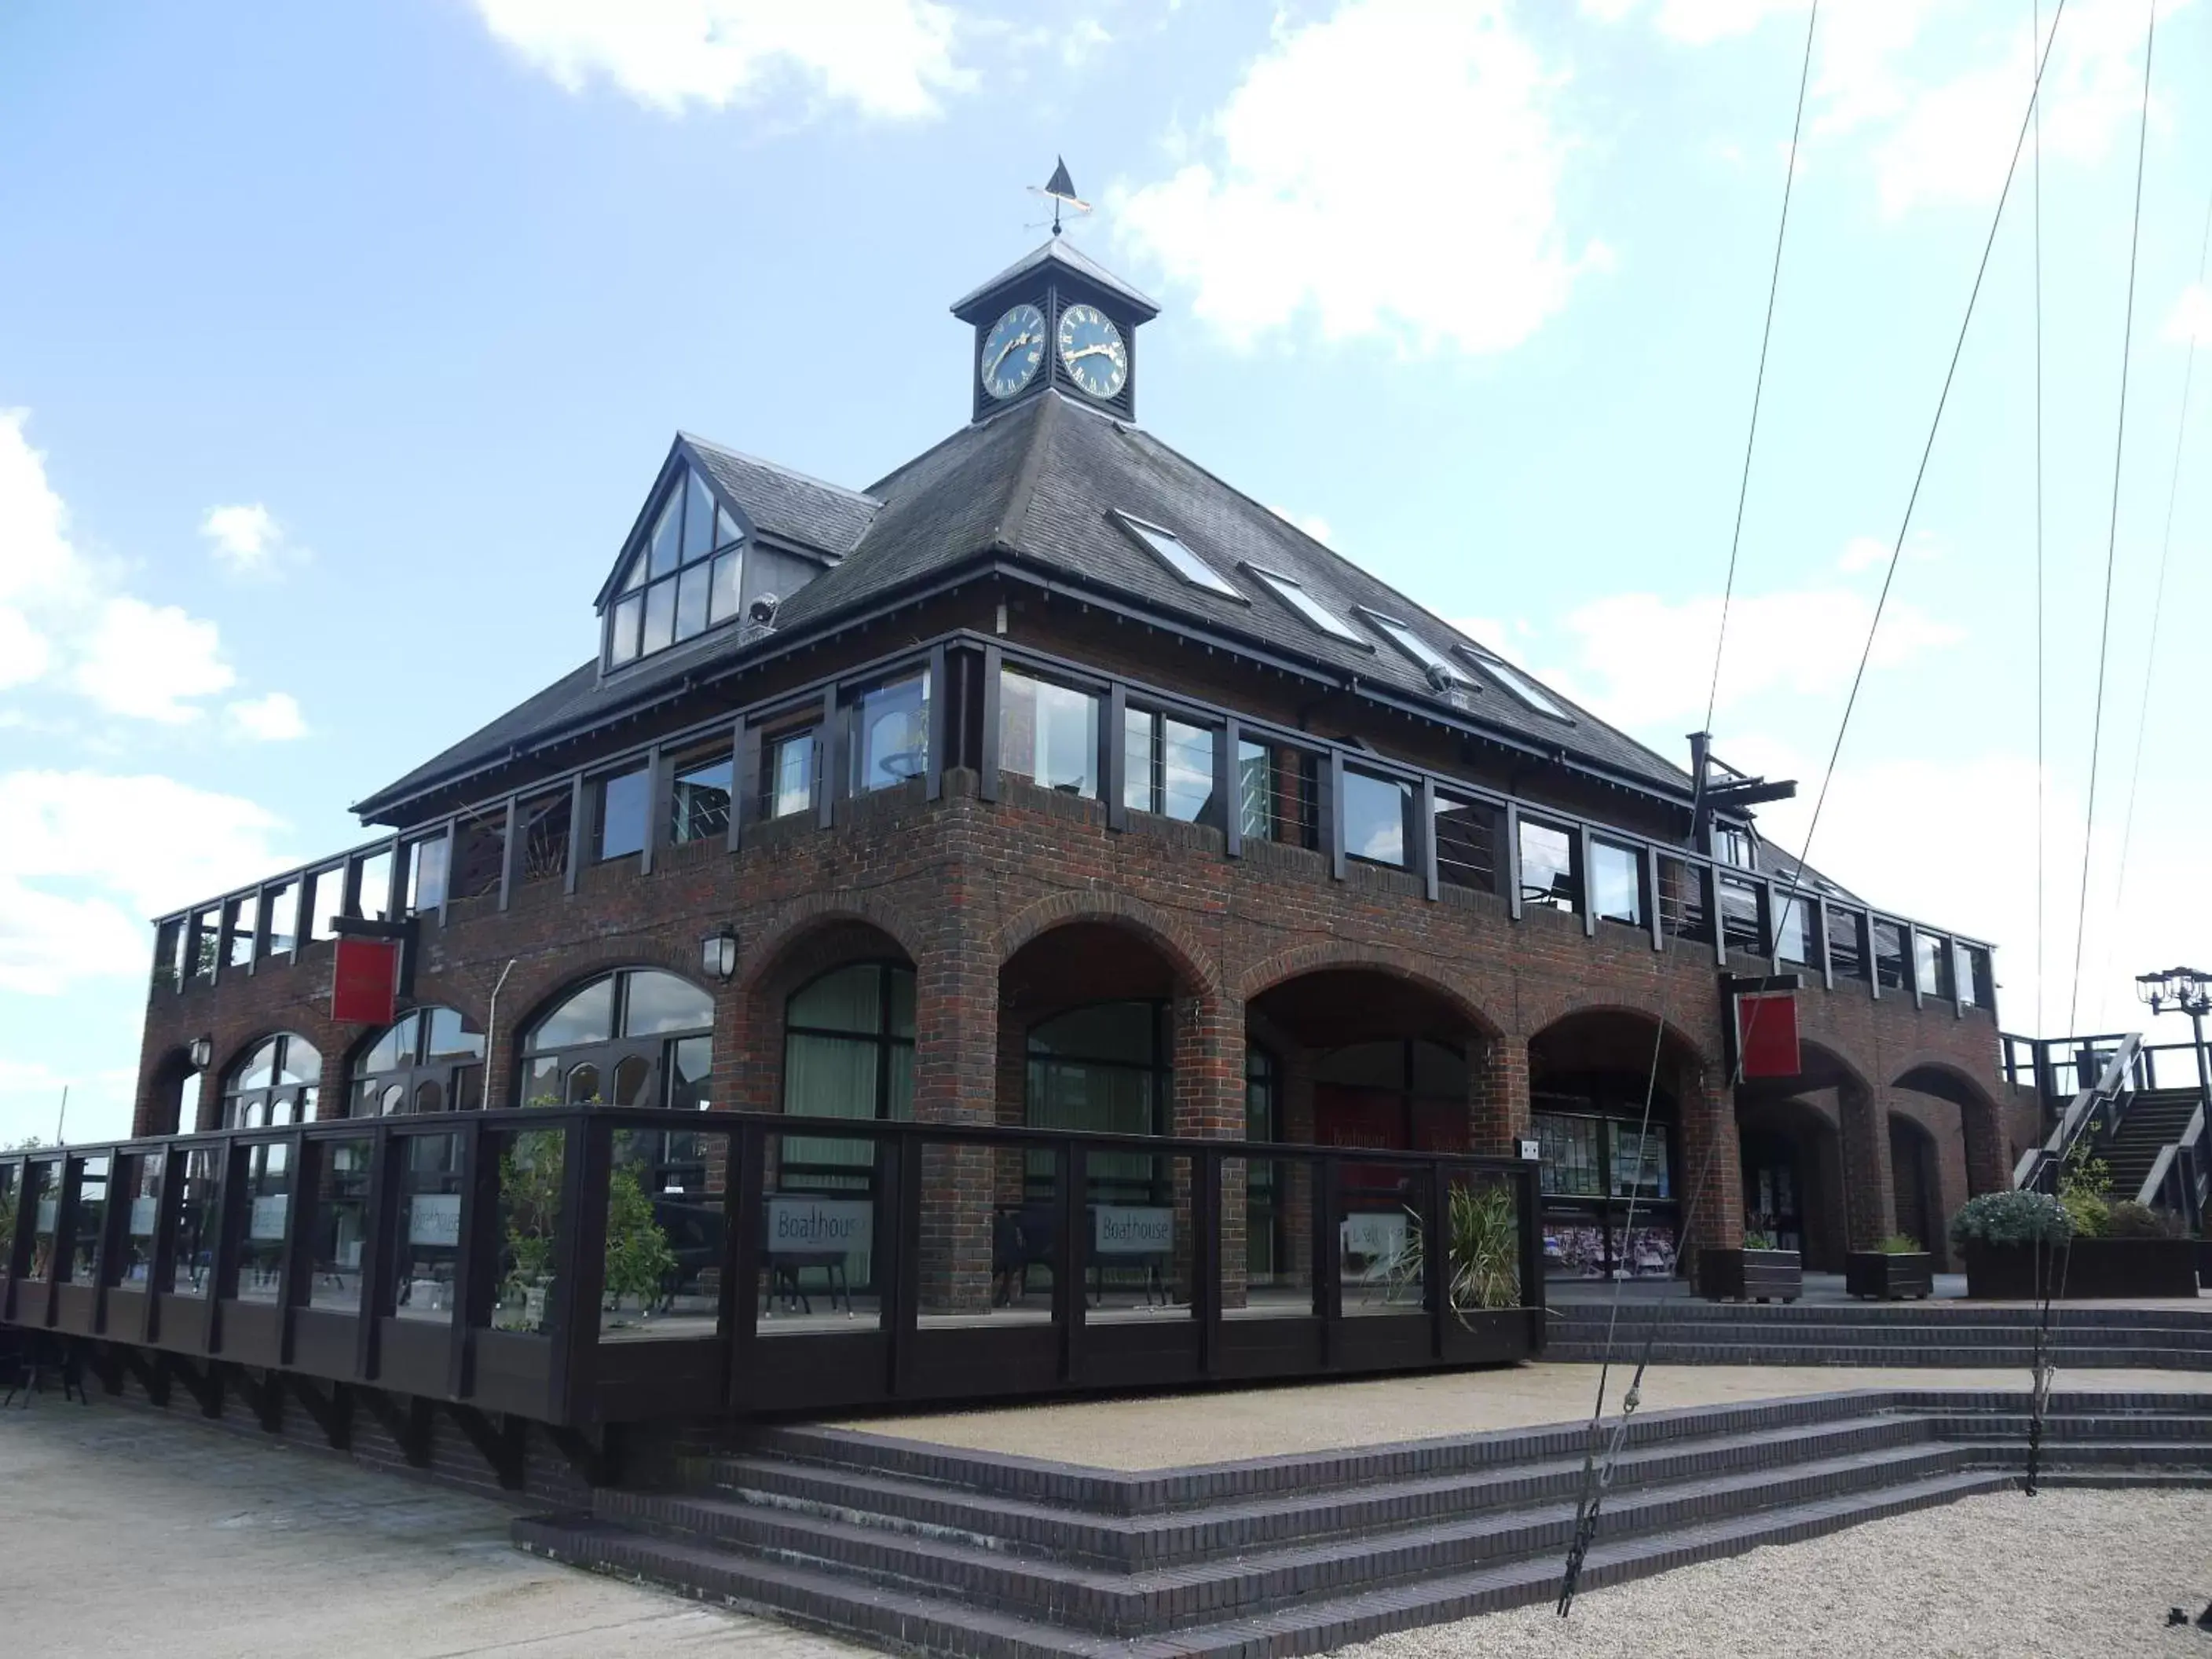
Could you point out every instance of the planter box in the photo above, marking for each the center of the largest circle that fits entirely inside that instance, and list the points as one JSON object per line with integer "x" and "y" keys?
{"x": 1750, "y": 1275}
{"x": 2205, "y": 1262}
{"x": 2089, "y": 1269}
{"x": 1889, "y": 1277}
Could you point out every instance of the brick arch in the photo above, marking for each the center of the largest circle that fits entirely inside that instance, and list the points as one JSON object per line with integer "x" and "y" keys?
{"x": 810, "y": 916}
{"x": 327, "y": 1039}
{"x": 1164, "y": 931}
{"x": 1322, "y": 956}
{"x": 542, "y": 984}
{"x": 160, "y": 1109}
{"x": 1981, "y": 1116}
{"x": 1578, "y": 1004}
{"x": 816, "y": 935}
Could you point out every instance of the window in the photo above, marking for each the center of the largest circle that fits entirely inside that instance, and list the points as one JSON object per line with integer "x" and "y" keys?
{"x": 238, "y": 923}
{"x": 1319, "y": 615}
{"x": 1167, "y": 766}
{"x": 638, "y": 1037}
{"x": 1639, "y": 1161}
{"x": 1547, "y": 871}
{"x": 283, "y": 919}
{"x": 1616, "y": 883}
{"x": 890, "y": 734}
{"x": 1793, "y": 929}
{"x": 431, "y": 1060}
{"x": 1732, "y": 846}
{"x": 275, "y": 1084}
{"x": 1047, "y": 733}
{"x": 1375, "y": 814}
{"x": 788, "y": 775}
{"x": 1569, "y": 1149}
{"x": 429, "y": 862}
{"x": 848, "y": 1052}
{"x": 329, "y": 904}
{"x": 1929, "y": 965}
{"x": 625, "y": 801}
{"x": 683, "y": 580}
{"x": 1441, "y": 670}
{"x": 205, "y": 943}
{"x": 1405, "y": 1091}
{"x": 1518, "y": 683}
{"x": 699, "y": 800}
{"x": 1169, "y": 549}
{"x": 1104, "y": 1068}
{"x": 169, "y": 954}
{"x": 1276, "y": 790}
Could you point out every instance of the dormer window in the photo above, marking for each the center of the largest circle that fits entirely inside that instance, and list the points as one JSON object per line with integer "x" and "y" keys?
{"x": 1170, "y": 550}
{"x": 1442, "y": 672}
{"x": 1319, "y": 615}
{"x": 683, "y": 578}
{"x": 1518, "y": 683}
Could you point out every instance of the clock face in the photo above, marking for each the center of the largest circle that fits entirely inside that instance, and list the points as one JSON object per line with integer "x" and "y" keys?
{"x": 1092, "y": 351}
{"x": 1012, "y": 350}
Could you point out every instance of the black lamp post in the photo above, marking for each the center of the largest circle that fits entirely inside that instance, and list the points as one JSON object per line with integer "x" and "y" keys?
{"x": 2188, "y": 991}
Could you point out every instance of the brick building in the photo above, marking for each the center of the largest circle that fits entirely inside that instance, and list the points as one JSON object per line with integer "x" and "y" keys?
{"x": 1050, "y": 780}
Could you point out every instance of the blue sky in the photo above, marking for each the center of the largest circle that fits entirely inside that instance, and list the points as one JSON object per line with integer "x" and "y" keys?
{"x": 338, "y": 344}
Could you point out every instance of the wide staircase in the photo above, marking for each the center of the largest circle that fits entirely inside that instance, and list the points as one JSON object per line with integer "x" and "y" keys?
{"x": 945, "y": 1550}
{"x": 2154, "y": 1118}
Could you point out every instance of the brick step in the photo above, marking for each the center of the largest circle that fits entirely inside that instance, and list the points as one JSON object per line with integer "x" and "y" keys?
{"x": 1141, "y": 1603}
{"x": 1183, "y": 1537}
{"x": 833, "y": 1601}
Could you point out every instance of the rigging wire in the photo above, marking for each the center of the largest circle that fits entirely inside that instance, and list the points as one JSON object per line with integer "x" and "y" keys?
{"x": 2042, "y": 786}
{"x": 1597, "y": 1477}
{"x": 2112, "y": 528}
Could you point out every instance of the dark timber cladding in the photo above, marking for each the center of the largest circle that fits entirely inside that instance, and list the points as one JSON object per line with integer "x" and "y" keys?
{"x": 1041, "y": 923}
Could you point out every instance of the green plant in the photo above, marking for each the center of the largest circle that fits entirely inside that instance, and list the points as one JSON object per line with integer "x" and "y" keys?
{"x": 1756, "y": 1239}
{"x": 1482, "y": 1246}
{"x": 2128, "y": 1219}
{"x": 530, "y": 1201}
{"x": 2012, "y": 1218}
{"x": 639, "y": 1256}
{"x": 1899, "y": 1244}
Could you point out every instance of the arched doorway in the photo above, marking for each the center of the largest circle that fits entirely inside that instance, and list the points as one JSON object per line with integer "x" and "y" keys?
{"x": 1916, "y": 1179}
{"x": 1792, "y": 1174}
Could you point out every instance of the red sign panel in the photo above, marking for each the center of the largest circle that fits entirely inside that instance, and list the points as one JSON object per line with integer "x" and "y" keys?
{"x": 364, "y": 982}
{"x": 1767, "y": 1033}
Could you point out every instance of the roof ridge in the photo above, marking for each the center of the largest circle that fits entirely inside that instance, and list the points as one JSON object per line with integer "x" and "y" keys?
{"x": 845, "y": 490}
{"x": 1014, "y": 518}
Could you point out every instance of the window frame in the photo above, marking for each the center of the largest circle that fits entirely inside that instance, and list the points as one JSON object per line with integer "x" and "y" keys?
{"x": 1417, "y": 650}
{"x": 1514, "y": 684}
{"x": 1207, "y": 580}
{"x": 298, "y": 1099}
{"x": 419, "y": 1068}
{"x": 1299, "y": 601}
{"x": 623, "y": 636}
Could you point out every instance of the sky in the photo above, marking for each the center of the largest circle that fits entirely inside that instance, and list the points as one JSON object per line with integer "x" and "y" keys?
{"x": 340, "y": 343}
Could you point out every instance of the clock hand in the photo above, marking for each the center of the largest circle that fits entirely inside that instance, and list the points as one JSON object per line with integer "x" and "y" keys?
{"x": 1011, "y": 346}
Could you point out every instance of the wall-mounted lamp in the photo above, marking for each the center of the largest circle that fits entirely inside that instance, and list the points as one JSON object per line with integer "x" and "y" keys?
{"x": 718, "y": 956}
{"x": 201, "y": 1053}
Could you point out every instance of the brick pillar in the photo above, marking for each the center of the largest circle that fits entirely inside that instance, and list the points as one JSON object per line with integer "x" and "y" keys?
{"x": 1496, "y": 1095}
{"x": 956, "y": 1080}
{"x": 1209, "y": 1105}
{"x": 1869, "y": 1198}
{"x": 1711, "y": 1165}
{"x": 1295, "y": 1079}
{"x": 1985, "y": 1149}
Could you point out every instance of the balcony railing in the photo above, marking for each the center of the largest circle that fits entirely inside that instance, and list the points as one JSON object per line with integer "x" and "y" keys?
{"x": 581, "y": 1266}
{"x": 1140, "y": 749}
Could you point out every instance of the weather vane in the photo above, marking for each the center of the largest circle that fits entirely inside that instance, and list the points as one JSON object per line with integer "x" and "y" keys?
{"x": 1062, "y": 189}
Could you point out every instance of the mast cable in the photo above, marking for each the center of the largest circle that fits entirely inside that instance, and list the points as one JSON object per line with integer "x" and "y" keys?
{"x": 2042, "y": 786}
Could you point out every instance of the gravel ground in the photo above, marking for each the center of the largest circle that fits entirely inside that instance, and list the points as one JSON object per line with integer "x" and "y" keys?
{"x": 1169, "y": 1430}
{"x": 2082, "y": 1575}
{"x": 121, "y": 1532}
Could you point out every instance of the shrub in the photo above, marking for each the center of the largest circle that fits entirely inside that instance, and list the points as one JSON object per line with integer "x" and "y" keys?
{"x": 2128, "y": 1219}
{"x": 2012, "y": 1218}
{"x": 1899, "y": 1244}
{"x": 1756, "y": 1240}
{"x": 2086, "y": 1208}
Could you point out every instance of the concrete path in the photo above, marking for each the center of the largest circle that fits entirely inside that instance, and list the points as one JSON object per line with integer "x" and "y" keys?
{"x": 1162, "y": 1431}
{"x": 123, "y": 1532}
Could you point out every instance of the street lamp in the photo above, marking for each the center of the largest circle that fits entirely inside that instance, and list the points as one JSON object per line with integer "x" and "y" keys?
{"x": 2187, "y": 991}
{"x": 718, "y": 955}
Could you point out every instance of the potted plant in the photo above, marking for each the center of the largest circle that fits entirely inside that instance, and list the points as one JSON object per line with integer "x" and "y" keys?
{"x": 2015, "y": 1242}
{"x": 530, "y": 1201}
{"x": 1482, "y": 1247}
{"x": 639, "y": 1256}
{"x": 1893, "y": 1271}
{"x": 2077, "y": 1245}
{"x": 1760, "y": 1272}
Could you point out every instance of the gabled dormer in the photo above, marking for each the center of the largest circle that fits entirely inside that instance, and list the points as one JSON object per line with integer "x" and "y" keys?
{"x": 722, "y": 540}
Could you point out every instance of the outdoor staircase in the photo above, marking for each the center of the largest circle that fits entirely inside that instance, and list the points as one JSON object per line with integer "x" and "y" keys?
{"x": 925, "y": 1548}
{"x": 2154, "y": 1118}
{"x": 1966, "y": 1336}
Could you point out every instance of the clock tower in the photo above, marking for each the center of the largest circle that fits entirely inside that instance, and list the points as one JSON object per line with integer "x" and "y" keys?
{"x": 1056, "y": 319}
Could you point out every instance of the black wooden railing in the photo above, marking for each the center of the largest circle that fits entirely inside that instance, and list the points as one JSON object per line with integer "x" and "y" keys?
{"x": 2095, "y": 1108}
{"x": 578, "y": 1265}
{"x": 1268, "y": 783}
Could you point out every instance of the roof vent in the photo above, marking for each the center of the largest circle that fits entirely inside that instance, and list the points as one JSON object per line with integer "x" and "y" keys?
{"x": 760, "y": 619}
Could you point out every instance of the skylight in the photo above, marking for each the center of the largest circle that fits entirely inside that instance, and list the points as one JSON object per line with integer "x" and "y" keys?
{"x": 1307, "y": 606}
{"x": 1519, "y": 684}
{"x": 1441, "y": 670}
{"x": 1170, "y": 551}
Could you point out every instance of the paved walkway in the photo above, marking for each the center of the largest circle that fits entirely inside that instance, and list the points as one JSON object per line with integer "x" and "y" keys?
{"x": 1162, "y": 1431}
{"x": 1825, "y": 1289}
{"x": 123, "y": 1532}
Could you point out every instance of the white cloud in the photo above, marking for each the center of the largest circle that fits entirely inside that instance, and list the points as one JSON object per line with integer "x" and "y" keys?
{"x": 275, "y": 717}
{"x": 1872, "y": 553}
{"x": 1639, "y": 657}
{"x": 24, "y": 652}
{"x": 1312, "y": 523}
{"x": 145, "y": 661}
{"x": 1313, "y": 191}
{"x": 244, "y": 537}
{"x": 887, "y": 58}
{"x": 2191, "y": 321}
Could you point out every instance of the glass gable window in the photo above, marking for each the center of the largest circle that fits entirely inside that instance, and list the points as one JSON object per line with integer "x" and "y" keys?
{"x": 1167, "y": 766}
{"x": 275, "y": 1084}
{"x": 890, "y": 734}
{"x": 1048, "y": 733}
{"x": 1439, "y": 667}
{"x": 1317, "y": 614}
{"x": 430, "y": 1060}
{"x": 1170, "y": 550}
{"x": 683, "y": 579}
{"x": 1518, "y": 683}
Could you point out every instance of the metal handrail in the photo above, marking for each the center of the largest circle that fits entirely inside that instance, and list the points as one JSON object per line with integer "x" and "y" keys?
{"x": 2091, "y": 1108}
{"x": 2178, "y": 1176}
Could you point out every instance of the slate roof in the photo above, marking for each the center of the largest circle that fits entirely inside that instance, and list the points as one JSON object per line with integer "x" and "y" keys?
{"x": 1039, "y": 483}
{"x": 1066, "y": 255}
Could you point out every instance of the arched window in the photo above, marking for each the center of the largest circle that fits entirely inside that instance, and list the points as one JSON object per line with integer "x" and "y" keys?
{"x": 429, "y": 1060}
{"x": 848, "y": 1052}
{"x": 275, "y": 1084}
{"x": 638, "y": 1037}
{"x": 1105, "y": 1068}
{"x": 1407, "y": 1092}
